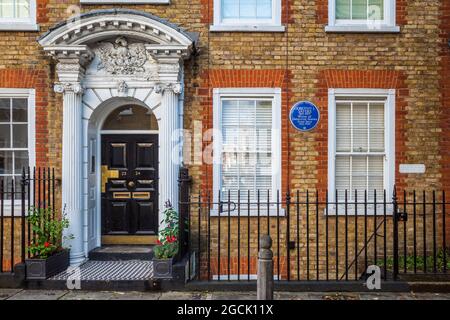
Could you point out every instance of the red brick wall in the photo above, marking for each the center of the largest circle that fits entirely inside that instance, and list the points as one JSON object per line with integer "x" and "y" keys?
{"x": 338, "y": 79}
{"x": 42, "y": 11}
{"x": 445, "y": 113}
{"x": 32, "y": 79}
{"x": 273, "y": 78}
{"x": 322, "y": 11}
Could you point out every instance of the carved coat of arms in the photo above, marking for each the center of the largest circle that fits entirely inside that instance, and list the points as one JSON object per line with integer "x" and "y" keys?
{"x": 122, "y": 58}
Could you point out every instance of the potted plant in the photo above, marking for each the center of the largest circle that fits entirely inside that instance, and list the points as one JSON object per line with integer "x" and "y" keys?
{"x": 47, "y": 255}
{"x": 167, "y": 245}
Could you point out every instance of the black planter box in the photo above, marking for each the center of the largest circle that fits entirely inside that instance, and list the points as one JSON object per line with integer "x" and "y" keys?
{"x": 162, "y": 268}
{"x": 41, "y": 269}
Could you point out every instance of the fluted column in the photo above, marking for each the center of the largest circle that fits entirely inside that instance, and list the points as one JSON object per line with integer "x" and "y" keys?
{"x": 169, "y": 148}
{"x": 72, "y": 170}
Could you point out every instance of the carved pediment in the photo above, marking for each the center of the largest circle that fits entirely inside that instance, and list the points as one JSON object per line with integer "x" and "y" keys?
{"x": 122, "y": 58}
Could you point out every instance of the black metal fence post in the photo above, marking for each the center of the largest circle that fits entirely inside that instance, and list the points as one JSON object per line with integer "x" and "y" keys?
{"x": 395, "y": 234}
{"x": 184, "y": 181}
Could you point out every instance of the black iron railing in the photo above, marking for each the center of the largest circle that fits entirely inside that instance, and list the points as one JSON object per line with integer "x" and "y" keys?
{"x": 315, "y": 238}
{"x": 35, "y": 188}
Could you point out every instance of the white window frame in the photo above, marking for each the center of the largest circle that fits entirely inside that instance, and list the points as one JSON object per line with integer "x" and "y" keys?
{"x": 17, "y": 24}
{"x": 275, "y": 95}
{"x": 389, "y": 135}
{"x": 30, "y": 94}
{"x": 387, "y": 25}
{"x": 125, "y": 1}
{"x": 248, "y": 25}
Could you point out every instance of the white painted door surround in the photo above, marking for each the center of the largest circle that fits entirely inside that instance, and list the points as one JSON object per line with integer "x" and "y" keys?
{"x": 107, "y": 58}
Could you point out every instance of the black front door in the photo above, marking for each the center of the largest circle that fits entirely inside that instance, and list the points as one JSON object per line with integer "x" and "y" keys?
{"x": 129, "y": 184}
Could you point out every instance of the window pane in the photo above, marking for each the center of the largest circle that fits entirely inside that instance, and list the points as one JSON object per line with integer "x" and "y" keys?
{"x": 359, "y": 173}
{"x": 247, "y": 113}
{"x": 20, "y": 136}
{"x": 376, "y": 9}
{"x": 5, "y": 110}
{"x": 247, "y": 9}
{"x": 20, "y": 110}
{"x": 131, "y": 118}
{"x": 5, "y": 136}
{"x": 20, "y": 161}
{"x": 343, "y": 138}
{"x": 264, "y": 140}
{"x": 6, "y": 162}
{"x": 377, "y": 127}
{"x": 343, "y": 9}
{"x": 376, "y": 166}
{"x": 264, "y": 9}
{"x": 264, "y": 114}
{"x": 230, "y": 113}
{"x": 23, "y": 9}
{"x": 342, "y": 173}
{"x": 359, "y": 9}
{"x": 7, "y": 8}
{"x": 247, "y": 183}
{"x": 360, "y": 129}
{"x": 230, "y": 9}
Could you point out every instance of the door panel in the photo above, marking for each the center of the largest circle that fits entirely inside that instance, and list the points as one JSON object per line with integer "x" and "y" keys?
{"x": 119, "y": 213}
{"x": 129, "y": 190}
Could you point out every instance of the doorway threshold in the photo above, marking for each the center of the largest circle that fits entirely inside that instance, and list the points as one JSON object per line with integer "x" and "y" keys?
{"x": 122, "y": 253}
{"x": 129, "y": 240}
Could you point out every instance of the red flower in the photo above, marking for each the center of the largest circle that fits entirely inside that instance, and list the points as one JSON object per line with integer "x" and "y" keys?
{"x": 47, "y": 244}
{"x": 158, "y": 242}
{"x": 168, "y": 239}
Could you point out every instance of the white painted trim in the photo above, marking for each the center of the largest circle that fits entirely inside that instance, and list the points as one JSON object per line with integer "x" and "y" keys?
{"x": 21, "y": 24}
{"x": 362, "y": 29}
{"x": 389, "y": 173}
{"x": 271, "y": 93}
{"x": 247, "y": 28}
{"x": 125, "y": 1}
{"x": 388, "y": 25}
{"x": 247, "y": 25}
{"x": 129, "y": 131}
{"x": 30, "y": 94}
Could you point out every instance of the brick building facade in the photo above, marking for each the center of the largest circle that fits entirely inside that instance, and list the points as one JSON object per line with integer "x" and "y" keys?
{"x": 288, "y": 51}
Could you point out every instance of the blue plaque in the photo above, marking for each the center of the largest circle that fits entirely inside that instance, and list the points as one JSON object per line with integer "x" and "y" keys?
{"x": 304, "y": 116}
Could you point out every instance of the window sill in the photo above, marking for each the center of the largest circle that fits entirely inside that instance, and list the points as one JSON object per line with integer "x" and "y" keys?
{"x": 246, "y": 28}
{"x": 125, "y": 1}
{"x": 360, "y": 210}
{"x": 362, "y": 29}
{"x": 273, "y": 212}
{"x": 19, "y": 27}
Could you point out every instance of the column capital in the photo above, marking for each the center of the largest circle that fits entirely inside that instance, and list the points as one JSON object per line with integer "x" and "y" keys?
{"x": 66, "y": 87}
{"x": 72, "y": 61}
{"x": 175, "y": 87}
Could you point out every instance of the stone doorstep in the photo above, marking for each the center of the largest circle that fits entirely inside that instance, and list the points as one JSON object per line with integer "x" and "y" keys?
{"x": 130, "y": 275}
{"x": 122, "y": 252}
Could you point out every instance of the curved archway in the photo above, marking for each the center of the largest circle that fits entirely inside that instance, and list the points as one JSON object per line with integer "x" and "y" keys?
{"x": 122, "y": 128}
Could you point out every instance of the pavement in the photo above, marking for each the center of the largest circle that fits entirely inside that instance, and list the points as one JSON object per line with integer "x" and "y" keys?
{"x": 19, "y": 294}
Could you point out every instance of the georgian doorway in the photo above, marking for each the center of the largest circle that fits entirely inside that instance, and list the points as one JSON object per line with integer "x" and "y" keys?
{"x": 129, "y": 182}
{"x": 109, "y": 59}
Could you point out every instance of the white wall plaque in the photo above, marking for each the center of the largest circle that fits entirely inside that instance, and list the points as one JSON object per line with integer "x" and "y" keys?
{"x": 412, "y": 168}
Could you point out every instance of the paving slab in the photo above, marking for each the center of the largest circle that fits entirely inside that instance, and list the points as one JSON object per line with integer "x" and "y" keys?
{"x": 291, "y": 296}
{"x": 231, "y": 295}
{"x": 38, "y": 295}
{"x": 386, "y": 296}
{"x": 432, "y": 296}
{"x": 6, "y": 293}
{"x": 110, "y": 295}
{"x": 175, "y": 295}
{"x": 130, "y": 295}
